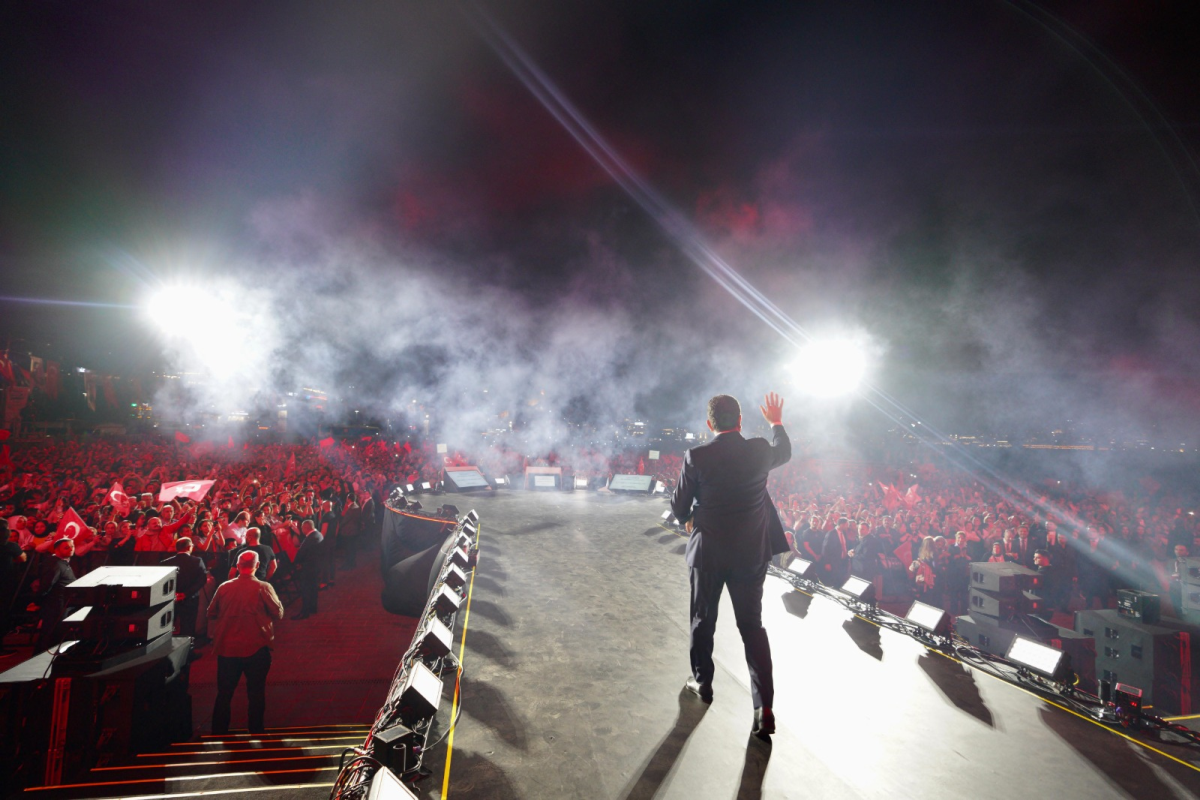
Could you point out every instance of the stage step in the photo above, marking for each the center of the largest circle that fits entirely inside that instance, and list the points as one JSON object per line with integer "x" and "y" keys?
{"x": 281, "y": 763}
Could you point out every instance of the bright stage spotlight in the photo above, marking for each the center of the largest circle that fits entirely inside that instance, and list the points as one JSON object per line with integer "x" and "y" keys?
{"x": 830, "y": 367}
{"x": 218, "y": 326}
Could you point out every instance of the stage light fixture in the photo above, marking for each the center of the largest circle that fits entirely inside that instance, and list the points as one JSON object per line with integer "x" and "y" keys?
{"x": 930, "y": 618}
{"x": 447, "y": 600}
{"x": 860, "y": 590}
{"x": 454, "y": 577}
{"x": 408, "y": 487}
{"x": 660, "y": 487}
{"x": 397, "y": 749}
{"x": 426, "y": 485}
{"x": 581, "y": 482}
{"x": 473, "y": 516}
{"x": 435, "y": 639}
{"x": 500, "y": 481}
{"x": 830, "y": 367}
{"x": 420, "y": 695}
{"x": 667, "y": 518}
{"x": 465, "y": 537}
{"x": 1049, "y": 662}
{"x": 801, "y": 567}
{"x": 460, "y": 557}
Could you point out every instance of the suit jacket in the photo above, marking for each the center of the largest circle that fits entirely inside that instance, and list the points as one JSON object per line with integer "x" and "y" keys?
{"x": 735, "y": 522}
{"x": 192, "y": 573}
{"x": 310, "y": 552}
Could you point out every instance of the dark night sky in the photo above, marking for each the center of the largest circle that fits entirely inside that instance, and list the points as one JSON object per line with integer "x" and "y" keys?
{"x": 1004, "y": 195}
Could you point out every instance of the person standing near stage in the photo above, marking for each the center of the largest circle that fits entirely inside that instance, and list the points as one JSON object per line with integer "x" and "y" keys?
{"x": 51, "y": 595}
{"x": 722, "y": 499}
{"x": 242, "y": 617}
{"x": 192, "y": 577}
{"x": 309, "y": 561}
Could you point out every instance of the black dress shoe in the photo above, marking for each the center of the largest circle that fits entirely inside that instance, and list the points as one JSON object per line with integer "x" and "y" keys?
{"x": 701, "y": 690}
{"x": 764, "y": 722}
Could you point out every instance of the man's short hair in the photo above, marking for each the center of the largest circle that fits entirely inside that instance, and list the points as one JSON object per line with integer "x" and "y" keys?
{"x": 248, "y": 560}
{"x": 724, "y": 413}
{"x": 183, "y": 543}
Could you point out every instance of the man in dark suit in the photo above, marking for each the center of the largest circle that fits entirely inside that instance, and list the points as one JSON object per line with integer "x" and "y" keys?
{"x": 722, "y": 499}
{"x": 835, "y": 554}
{"x": 309, "y": 560}
{"x": 51, "y": 594}
{"x": 193, "y": 575}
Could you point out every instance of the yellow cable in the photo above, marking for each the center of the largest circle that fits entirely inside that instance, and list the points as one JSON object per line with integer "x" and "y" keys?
{"x": 458, "y": 677}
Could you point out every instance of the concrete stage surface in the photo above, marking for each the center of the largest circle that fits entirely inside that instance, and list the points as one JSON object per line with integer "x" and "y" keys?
{"x": 576, "y": 650}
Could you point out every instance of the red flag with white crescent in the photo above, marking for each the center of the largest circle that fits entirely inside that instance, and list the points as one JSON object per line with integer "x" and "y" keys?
{"x": 70, "y": 526}
{"x": 193, "y": 490}
{"x": 118, "y": 499}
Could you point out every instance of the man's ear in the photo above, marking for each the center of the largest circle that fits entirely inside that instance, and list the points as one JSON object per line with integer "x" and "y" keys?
{"x": 710, "y": 425}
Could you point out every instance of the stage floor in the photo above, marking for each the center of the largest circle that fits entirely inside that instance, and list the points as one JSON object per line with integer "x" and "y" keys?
{"x": 576, "y": 652}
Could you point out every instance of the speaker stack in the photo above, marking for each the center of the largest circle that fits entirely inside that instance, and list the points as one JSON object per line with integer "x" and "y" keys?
{"x": 117, "y": 686}
{"x": 1156, "y": 658}
{"x": 1000, "y": 597}
{"x": 1189, "y": 587}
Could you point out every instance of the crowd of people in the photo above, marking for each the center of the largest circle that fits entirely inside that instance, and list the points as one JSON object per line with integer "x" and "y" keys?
{"x": 304, "y": 507}
{"x": 917, "y": 534}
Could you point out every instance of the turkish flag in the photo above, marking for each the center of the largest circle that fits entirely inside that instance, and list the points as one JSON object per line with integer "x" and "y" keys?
{"x": 408, "y": 447}
{"x": 193, "y": 490}
{"x": 326, "y": 442}
{"x": 118, "y": 499}
{"x": 291, "y": 466}
{"x": 70, "y": 526}
{"x": 182, "y": 437}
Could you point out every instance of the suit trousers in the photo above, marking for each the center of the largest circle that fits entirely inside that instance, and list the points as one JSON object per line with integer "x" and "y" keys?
{"x": 745, "y": 592}
{"x": 229, "y": 672}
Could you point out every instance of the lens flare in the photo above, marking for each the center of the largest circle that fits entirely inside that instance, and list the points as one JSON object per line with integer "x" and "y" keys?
{"x": 211, "y": 327}
{"x": 830, "y": 368}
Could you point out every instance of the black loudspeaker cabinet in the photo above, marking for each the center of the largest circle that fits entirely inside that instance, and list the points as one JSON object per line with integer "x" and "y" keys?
{"x": 1155, "y": 658}
{"x": 1002, "y": 606}
{"x": 143, "y": 624}
{"x": 1189, "y": 571}
{"x": 1003, "y": 578}
{"x": 109, "y": 587}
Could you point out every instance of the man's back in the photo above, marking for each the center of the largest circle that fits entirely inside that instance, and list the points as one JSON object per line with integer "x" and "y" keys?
{"x": 735, "y": 522}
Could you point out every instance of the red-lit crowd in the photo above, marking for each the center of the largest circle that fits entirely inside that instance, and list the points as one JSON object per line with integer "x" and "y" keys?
{"x": 917, "y": 534}
{"x": 270, "y": 498}
{"x": 914, "y": 533}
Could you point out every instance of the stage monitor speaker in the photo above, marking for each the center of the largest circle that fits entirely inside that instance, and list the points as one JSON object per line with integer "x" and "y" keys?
{"x": 1142, "y": 606}
{"x": 1002, "y": 578}
{"x": 464, "y": 479}
{"x": 114, "y": 587}
{"x": 92, "y": 623}
{"x": 1156, "y": 658}
{"x": 543, "y": 478}
{"x": 631, "y": 484}
{"x": 420, "y": 694}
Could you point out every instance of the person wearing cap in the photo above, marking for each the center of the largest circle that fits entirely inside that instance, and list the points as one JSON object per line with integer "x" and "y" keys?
{"x": 51, "y": 594}
{"x": 242, "y": 618}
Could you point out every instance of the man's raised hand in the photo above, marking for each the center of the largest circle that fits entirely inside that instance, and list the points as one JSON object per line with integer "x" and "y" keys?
{"x": 773, "y": 410}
